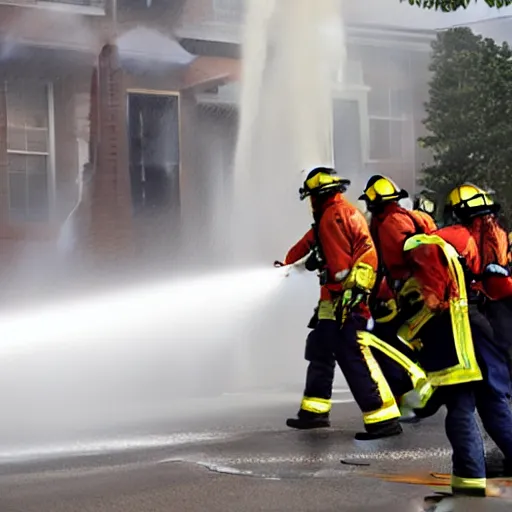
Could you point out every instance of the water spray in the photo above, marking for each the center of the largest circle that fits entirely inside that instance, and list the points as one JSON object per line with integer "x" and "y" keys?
{"x": 109, "y": 316}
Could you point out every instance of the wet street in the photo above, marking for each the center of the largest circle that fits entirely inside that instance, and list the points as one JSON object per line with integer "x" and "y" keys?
{"x": 230, "y": 453}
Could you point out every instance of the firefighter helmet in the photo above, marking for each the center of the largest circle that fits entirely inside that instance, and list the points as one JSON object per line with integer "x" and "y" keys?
{"x": 467, "y": 201}
{"x": 424, "y": 203}
{"x": 381, "y": 190}
{"x": 322, "y": 180}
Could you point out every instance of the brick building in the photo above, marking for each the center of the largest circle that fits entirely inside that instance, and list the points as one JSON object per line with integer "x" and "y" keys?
{"x": 91, "y": 88}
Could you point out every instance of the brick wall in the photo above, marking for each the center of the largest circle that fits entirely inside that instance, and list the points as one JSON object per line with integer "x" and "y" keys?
{"x": 110, "y": 229}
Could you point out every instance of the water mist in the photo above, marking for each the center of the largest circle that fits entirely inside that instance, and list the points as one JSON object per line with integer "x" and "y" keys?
{"x": 293, "y": 51}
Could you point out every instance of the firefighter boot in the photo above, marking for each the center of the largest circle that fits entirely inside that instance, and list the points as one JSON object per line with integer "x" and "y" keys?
{"x": 306, "y": 420}
{"x": 380, "y": 430}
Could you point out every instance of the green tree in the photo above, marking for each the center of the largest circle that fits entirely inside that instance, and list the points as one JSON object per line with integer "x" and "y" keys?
{"x": 469, "y": 115}
{"x": 453, "y": 5}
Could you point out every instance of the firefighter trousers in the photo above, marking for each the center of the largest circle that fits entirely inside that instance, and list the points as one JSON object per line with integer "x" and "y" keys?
{"x": 328, "y": 344}
{"x": 401, "y": 372}
{"x": 493, "y": 393}
{"x": 398, "y": 376}
{"x": 489, "y": 397}
{"x": 499, "y": 314}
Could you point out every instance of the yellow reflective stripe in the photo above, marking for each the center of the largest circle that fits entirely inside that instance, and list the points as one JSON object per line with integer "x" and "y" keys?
{"x": 385, "y": 413}
{"x": 468, "y": 483}
{"x": 418, "y": 376}
{"x": 389, "y": 409}
{"x": 410, "y": 329}
{"x": 391, "y": 304}
{"x": 316, "y": 405}
{"x": 425, "y": 391}
{"x": 386, "y": 319}
{"x": 467, "y": 369}
{"x": 327, "y": 309}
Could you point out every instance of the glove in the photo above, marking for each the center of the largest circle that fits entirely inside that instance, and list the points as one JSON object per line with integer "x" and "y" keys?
{"x": 352, "y": 297}
{"x": 361, "y": 276}
{"x": 496, "y": 270}
{"x": 279, "y": 264}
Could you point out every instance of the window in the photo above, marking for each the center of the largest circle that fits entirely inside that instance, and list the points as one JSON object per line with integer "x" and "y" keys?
{"x": 389, "y": 111}
{"x": 28, "y": 148}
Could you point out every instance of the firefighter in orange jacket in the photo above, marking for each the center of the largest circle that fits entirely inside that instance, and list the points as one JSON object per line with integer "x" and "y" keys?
{"x": 390, "y": 226}
{"x": 344, "y": 255}
{"x": 424, "y": 206}
{"x": 458, "y": 353}
{"x": 472, "y": 207}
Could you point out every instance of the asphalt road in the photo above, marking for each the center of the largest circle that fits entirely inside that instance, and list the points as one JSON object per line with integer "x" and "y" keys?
{"x": 228, "y": 454}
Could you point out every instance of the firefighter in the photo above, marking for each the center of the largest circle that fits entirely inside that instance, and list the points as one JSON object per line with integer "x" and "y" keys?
{"x": 472, "y": 207}
{"x": 345, "y": 258}
{"x": 458, "y": 353}
{"x": 390, "y": 226}
{"x": 424, "y": 205}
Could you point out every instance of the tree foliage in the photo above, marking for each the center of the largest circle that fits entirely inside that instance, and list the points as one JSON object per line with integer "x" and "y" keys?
{"x": 469, "y": 115}
{"x": 453, "y": 5}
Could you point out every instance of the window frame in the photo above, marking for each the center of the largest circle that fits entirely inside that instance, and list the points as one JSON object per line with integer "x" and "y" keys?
{"x": 389, "y": 120}
{"x": 49, "y": 154}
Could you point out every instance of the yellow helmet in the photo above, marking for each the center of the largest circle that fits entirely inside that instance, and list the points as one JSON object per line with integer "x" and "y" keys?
{"x": 467, "y": 201}
{"x": 322, "y": 180}
{"x": 381, "y": 190}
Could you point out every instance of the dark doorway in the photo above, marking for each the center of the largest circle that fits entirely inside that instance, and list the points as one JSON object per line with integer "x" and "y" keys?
{"x": 153, "y": 124}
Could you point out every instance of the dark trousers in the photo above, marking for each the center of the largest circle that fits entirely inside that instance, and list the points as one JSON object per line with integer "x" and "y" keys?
{"x": 499, "y": 314}
{"x": 321, "y": 353}
{"x": 493, "y": 393}
{"x": 397, "y": 377}
{"x": 489, "y": 397}
{"x": 462, "y": 429}
{"x": 326, "y": 344}
{"x": 463, "y": 432}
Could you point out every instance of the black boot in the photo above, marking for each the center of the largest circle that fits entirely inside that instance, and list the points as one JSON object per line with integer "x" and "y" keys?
{"x": 306, "y": 420}
{"x": 380, "y": 430}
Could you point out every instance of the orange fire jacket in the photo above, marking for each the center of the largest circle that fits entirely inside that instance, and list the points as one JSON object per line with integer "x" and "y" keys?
{"x": 493, "y": 246}
{"x": 390, "y": 229}
{"x": 344, "y": 238}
